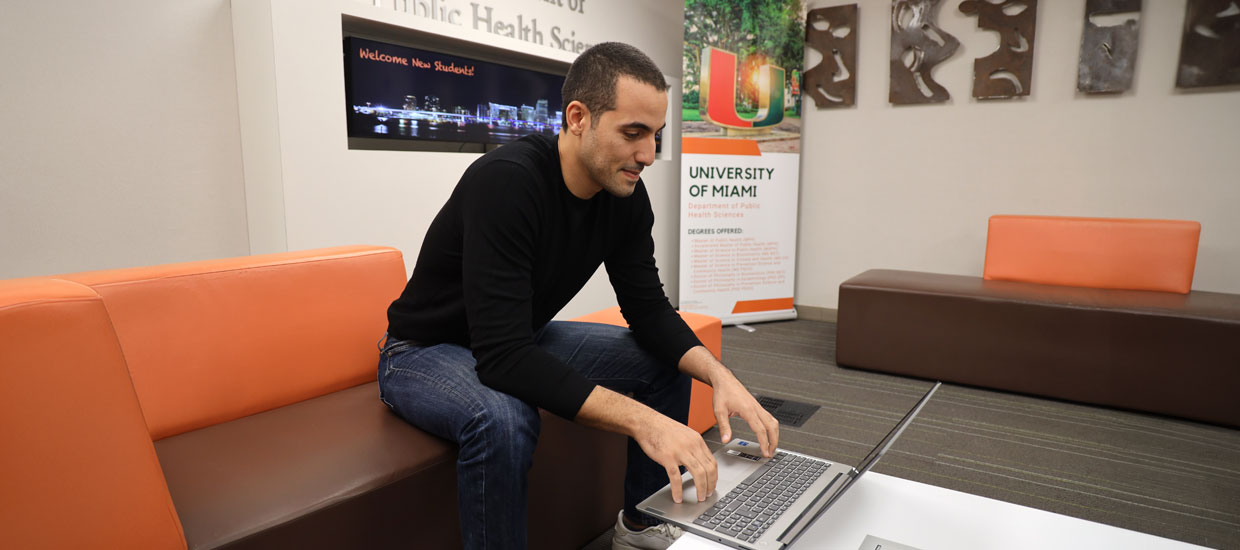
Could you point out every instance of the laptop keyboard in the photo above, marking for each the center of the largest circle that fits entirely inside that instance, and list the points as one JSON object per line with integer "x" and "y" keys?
{"x": 753, "y": 505}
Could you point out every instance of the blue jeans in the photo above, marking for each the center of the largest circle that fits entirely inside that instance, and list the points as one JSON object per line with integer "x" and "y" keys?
{"x": 436, "y": 389}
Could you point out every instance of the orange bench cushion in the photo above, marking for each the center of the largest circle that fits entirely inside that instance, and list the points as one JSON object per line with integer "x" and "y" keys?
{"x": 710, "y": 331}
{"x": 1115, "y": 253}
{"x": 213, "y": 341}
{"x": 79, "y": 469}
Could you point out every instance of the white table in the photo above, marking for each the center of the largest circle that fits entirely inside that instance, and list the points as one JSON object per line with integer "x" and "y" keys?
{"x": 933, "y": 518}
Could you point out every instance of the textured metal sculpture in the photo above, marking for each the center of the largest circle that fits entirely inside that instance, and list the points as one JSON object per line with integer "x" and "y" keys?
{"x": 1210, "y": 50}
{"x": 1008, "y": 72}
{"x": 833, "y": 82}
{"x": 917, "y": 45}
{"x": 1108, "y": 54}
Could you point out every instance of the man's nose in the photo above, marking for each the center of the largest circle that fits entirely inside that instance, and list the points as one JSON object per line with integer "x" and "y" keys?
{"x": 645, "y": 155}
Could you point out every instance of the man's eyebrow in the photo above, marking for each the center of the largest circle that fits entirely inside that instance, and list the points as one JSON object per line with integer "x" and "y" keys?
{"x": 643, "y": 126}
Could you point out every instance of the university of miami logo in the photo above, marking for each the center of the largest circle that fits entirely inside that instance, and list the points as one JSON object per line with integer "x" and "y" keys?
{"x": 718, "y": 92}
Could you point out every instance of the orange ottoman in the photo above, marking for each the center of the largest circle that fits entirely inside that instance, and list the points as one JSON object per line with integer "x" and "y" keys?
{"x": 709, "y": 330}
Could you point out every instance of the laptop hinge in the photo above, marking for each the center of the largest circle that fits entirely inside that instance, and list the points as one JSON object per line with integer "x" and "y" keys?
{"x": 810, "y": 509}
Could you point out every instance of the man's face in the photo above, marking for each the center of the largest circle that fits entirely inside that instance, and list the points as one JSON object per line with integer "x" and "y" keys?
{"x": 617, "y": 148}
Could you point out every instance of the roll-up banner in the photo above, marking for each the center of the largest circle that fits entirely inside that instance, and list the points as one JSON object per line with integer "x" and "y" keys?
{"x": 740, "y": 158}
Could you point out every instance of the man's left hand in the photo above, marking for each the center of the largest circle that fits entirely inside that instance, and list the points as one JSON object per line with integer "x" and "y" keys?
{"x": 732, "y": 399}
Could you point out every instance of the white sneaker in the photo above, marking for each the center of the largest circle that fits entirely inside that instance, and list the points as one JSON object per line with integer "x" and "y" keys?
{"x": 658, "y": 537}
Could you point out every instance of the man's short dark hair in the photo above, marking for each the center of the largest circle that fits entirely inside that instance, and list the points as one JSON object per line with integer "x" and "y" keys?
{"x": 592, "y": 77}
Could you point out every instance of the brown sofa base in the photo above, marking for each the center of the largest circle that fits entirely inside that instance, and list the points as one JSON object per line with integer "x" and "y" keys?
{"x": 342, "y": 471}
{"x": 1147, "y": 351}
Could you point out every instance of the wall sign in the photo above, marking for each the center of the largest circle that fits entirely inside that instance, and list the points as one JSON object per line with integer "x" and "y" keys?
{"x": 502, "y": 21}
{"x": 1008, "y": 72}
{"x": 1210, "y": 51}
{"x": 1108, "y": 54}
{"x": 833, "y": 33}
{"x": 917, "y": 46}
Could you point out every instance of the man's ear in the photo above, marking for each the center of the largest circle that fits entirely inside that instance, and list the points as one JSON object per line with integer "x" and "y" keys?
{"x": 578, "y": 116}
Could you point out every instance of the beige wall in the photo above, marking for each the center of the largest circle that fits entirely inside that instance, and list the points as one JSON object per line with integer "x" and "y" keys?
{"x": 911, "y": 187}
{"x": 120, "y": 142}
{"x": 122, "y": 146}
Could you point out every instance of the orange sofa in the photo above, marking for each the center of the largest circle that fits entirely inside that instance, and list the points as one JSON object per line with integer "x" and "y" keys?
{"x": 1093, "y": 310}
{"x": 232, "y": 404}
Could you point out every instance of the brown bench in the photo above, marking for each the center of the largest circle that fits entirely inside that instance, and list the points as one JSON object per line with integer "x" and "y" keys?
{"x": 1157, "y": 351}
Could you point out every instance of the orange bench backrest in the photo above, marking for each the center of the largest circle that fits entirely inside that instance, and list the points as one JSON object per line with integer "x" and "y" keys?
{"x": 1112, "y": 253}
{"x": 211, "y": 341}
{"x": 79, "y": 469}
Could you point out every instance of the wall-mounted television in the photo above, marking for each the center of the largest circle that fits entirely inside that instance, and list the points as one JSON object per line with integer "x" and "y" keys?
{"x": 402, "y": 93}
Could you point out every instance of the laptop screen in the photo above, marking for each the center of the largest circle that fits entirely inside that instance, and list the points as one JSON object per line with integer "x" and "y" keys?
{"x": 886, "y": 442}
{"x": 824, "y": 501}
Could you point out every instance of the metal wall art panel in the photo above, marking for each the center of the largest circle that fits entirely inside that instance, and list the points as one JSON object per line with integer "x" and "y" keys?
{"x": 833, "y": 32}
{"x": 917, "y": 46}
{"x": 1008, "y": 72}
{"x": 1210, "y": 50}
{"x": 1108, "y": 54}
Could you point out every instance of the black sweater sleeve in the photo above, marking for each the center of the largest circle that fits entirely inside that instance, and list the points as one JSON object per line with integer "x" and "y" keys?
{"x": 635, "y": 278}
{"x": 500, "y": 224}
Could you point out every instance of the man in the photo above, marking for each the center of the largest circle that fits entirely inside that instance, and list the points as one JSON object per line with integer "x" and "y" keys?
{"x": 472, "y": 351}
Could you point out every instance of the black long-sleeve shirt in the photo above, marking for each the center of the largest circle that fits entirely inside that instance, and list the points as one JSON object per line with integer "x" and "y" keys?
{"x": 510, "y": 248}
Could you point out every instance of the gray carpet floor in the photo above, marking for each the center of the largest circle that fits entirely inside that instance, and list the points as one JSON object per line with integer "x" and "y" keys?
{"x": 1164, "y": 476}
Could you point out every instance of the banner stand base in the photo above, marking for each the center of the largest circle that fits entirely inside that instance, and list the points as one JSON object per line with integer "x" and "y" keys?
{"x": 759, "y": 317}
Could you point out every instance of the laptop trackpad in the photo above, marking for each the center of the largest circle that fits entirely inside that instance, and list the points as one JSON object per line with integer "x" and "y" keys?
{"x": 734, "y": 467}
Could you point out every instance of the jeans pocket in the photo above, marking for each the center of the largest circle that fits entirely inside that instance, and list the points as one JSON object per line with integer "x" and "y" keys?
{"x": 386, "y": 360}
{"x": 384, "y": 400}
{"x": 394, "y": 347}
{"x": 395, "y": 354}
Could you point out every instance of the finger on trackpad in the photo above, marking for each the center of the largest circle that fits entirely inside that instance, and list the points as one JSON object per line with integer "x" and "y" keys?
{"x": 688, "y": 489}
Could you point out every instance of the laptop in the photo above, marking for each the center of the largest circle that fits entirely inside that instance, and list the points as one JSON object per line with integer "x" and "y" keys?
{"x": 766, "y": 503}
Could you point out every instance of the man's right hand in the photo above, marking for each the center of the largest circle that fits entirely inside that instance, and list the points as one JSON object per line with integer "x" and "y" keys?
{"x": 672, "y": 444}
{"x": 666, "y": 441}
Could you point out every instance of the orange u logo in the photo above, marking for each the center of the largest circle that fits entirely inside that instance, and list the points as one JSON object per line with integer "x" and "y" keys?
{"x": 718, "y": 92}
